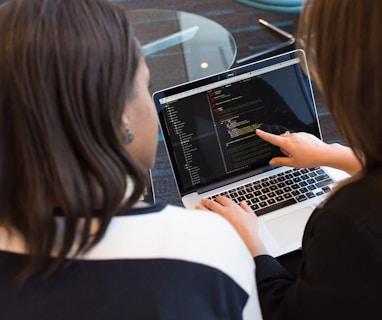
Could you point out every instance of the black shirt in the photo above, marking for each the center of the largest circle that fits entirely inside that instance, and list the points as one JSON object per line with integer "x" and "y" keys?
{"x": 341, "y": 269}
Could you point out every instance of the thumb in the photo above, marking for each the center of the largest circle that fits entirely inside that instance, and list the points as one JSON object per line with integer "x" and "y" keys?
{"x": 281, "y": 161}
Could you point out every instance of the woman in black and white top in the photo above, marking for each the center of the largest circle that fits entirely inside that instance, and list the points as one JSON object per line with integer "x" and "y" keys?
{"x": 78, "y": 133}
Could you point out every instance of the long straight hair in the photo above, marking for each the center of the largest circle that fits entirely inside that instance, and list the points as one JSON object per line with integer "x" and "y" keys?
{"x": 343, "y": 43}
{"x": 67, "y": 70}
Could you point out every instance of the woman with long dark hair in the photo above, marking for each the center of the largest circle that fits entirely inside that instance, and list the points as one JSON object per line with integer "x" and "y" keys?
{"x": 339, "y": 276}
{"x": 78, "y": 134}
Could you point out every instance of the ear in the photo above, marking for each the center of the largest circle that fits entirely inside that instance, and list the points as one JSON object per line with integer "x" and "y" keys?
{"x": 124, "y": 122}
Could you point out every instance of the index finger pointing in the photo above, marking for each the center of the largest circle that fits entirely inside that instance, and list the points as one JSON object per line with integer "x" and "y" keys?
{"x": 270, "y": 137}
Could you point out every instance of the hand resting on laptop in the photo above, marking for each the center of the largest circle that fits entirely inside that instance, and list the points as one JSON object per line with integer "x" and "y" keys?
{"x": 241, "y": 217}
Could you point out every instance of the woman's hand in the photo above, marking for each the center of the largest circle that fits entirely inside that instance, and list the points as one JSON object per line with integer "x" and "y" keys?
{"x": 242, "y": 218}
{"x": 304, "y": 150}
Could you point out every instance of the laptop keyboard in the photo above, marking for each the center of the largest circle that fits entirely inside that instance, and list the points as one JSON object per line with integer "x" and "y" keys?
{"x": 281, "y": 190}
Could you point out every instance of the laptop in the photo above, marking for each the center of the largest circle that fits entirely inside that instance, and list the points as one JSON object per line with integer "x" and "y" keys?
{"x": 208, "y": 127}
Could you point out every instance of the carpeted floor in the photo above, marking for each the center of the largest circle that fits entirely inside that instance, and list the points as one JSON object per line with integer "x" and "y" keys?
{"x": 250, "y": 37}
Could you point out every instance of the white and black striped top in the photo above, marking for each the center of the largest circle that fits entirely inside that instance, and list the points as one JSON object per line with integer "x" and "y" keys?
{"x": 161, "y": 262}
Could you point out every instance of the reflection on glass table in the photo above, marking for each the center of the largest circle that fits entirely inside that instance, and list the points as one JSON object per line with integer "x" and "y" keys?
{"x": 181, "y": 46}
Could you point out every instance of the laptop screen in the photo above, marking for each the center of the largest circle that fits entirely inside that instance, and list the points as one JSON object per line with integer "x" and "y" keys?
{"x": 209, "y": 124}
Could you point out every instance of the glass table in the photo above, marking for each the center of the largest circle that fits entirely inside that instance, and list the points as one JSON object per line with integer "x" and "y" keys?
{"x": 181, "y": 46}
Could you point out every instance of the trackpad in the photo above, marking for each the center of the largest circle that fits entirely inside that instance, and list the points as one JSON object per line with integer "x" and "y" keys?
{"x": 289, "y": 228}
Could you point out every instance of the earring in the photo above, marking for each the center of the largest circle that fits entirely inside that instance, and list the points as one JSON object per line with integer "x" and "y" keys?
{"x": 129, "y": 136}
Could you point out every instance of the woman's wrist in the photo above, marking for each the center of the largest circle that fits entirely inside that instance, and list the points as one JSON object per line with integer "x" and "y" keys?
{"x": 343, "y": 158}
{"x": 257, "y": 248}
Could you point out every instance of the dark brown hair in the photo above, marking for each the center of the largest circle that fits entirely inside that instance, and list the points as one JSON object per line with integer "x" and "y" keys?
{"x": 67, "y": 69}
{"x": 343, "y": 43}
